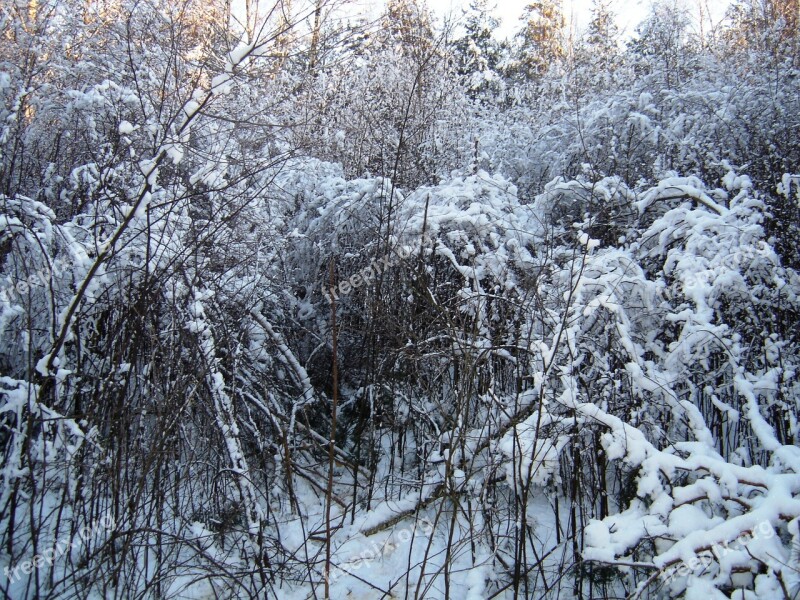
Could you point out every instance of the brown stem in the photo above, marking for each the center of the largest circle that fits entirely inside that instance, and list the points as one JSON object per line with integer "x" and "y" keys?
{"x": 332, "y": 441}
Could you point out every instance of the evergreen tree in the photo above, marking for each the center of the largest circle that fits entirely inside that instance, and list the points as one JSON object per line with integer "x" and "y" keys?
{"x": 596, "y": 56}
{"x": 478, "y": 54}
{"x": 541, "y": 39}
{"x": 662, "y": 43}
{"x": 603, "y": 35}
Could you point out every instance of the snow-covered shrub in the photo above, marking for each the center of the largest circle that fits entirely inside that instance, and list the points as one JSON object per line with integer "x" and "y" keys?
{"x": 710, "y": 477}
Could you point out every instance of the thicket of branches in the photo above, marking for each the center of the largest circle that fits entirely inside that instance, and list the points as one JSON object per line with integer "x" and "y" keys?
{"x": 519, "y": 318}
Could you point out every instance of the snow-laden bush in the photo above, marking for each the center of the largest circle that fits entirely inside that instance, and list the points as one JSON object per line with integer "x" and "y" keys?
{"x": 518, "y": 353}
